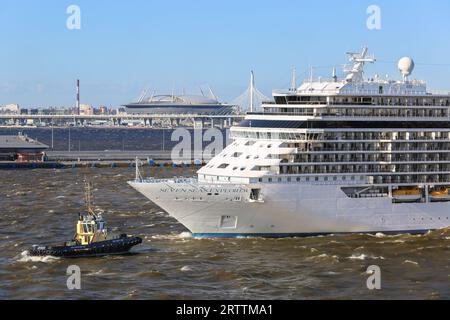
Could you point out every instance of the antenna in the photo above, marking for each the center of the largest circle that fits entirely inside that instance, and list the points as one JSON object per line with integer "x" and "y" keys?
{"x": 294, "y": 80}
{"x": 173, "y": 91}
{"x": 356, "y": 71}
{"x": 88, "y": 197}
{"x": 406, "y": 67}
{"x": 334, "y": 75}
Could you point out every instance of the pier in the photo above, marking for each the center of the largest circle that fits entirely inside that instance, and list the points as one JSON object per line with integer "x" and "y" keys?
{"x": 106, "y": 159}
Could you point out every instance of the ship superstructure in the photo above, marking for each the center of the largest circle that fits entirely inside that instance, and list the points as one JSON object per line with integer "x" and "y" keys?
{"x": 330, "y": 156}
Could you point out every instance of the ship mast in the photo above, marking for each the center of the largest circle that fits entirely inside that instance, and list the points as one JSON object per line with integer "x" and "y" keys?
{"x": 88, "y": 198}
{"x": 294, "y": 80}
{"x": 356, "y": 71}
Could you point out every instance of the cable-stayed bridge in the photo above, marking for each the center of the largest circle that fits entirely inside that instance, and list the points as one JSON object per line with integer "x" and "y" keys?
{"x": 251, "y": 99}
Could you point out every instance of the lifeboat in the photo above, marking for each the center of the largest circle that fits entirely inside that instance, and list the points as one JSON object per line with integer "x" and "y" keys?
{"x": 91, "y": 238}
{"x": 407, "y": 194}
{"x": 440, "y": 194}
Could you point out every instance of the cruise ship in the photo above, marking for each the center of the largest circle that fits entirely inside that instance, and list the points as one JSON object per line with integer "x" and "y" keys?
{"x": 343, "y": 155}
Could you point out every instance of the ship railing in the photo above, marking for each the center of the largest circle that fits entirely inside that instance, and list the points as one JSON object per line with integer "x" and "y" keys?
{"x": 171, "y": 180}
{"x": 385, "y": 93}
{"x": 439, "y": 92}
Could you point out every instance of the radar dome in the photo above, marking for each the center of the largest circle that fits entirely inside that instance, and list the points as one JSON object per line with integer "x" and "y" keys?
{"x": 406, "y": 66}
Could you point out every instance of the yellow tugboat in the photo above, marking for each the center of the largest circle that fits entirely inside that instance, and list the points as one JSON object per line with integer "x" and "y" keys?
{"x": 91, "y": 237}
{"x": 440, "y": 194}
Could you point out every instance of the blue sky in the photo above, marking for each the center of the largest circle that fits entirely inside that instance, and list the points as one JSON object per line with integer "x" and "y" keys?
{"x": 124, "y": 46}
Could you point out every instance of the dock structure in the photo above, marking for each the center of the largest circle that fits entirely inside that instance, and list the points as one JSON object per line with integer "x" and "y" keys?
{"x": 116, "y": 157}
{"x": 147, "y": 120}
{"x": 21, "y": 148}
{"x": 105, "y": 159}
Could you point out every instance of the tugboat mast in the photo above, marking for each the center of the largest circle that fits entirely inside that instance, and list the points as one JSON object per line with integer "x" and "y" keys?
{"x": 88, "y": 198}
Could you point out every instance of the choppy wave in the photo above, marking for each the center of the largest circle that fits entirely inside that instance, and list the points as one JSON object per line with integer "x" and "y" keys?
{"x": 178, "y": 236}
{"x": 172, "y": 263}
{"x": 363, "y": 256}
{"x": 26, "y": 257}
{"x": 186, "y": 269}
{"x": 411, "y": 262}
{"x": 101, "y": 273}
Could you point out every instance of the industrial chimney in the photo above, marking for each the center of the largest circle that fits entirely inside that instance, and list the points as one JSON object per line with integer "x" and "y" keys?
{"x": 78, "y": 96}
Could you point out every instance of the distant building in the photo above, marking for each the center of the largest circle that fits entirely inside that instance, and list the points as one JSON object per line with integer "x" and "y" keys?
{"x": 10, "y": 109}
{"x": 21, "y": 148}
{"x": 103, "y": 110}
{"x": 178, "y": 104}
{"x": 86, "y": 110}
{"x": 121, "y": 111}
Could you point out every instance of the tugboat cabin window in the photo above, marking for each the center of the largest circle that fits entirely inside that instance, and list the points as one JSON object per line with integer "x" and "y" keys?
{"x": 88, "y": 228}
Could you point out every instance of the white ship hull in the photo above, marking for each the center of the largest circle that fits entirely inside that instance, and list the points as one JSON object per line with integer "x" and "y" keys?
{"x": 288, "y": 210}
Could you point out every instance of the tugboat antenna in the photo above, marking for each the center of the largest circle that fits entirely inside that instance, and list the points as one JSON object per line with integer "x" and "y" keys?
{"x": 88, "y": 197}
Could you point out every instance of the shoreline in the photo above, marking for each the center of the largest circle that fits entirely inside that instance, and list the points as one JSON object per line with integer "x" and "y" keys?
{"x": 101, "y": 127}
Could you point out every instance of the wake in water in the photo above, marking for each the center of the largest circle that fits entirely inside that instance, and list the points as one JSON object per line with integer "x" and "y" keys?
{"x": 25, "y": 257}
{"x": 179, "y": 236}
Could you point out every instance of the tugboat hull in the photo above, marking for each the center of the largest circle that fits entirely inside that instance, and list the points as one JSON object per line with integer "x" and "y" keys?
{"x": 109, "y": 247}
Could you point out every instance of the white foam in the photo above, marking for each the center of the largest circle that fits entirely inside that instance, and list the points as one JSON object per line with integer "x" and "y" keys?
{"x": 25, "y": 257}
{"x": 363, "y": 256}
{"x": 186, "y": 269}
{"x": 100, "y": 273}
{"x": 411, "y": 262}
{"x": 185, "y": 235}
